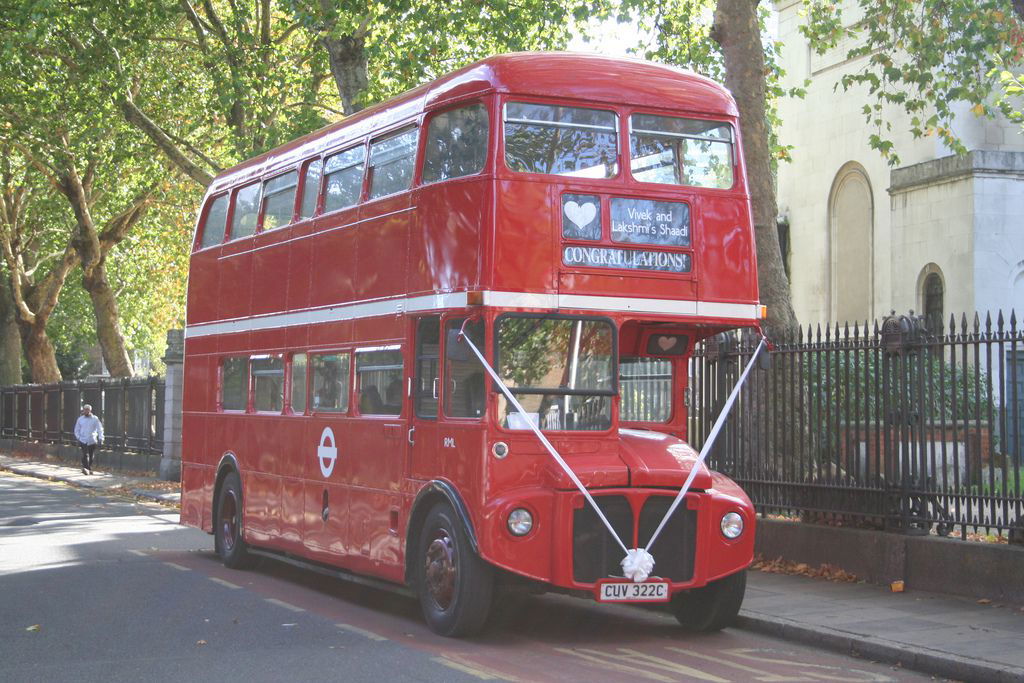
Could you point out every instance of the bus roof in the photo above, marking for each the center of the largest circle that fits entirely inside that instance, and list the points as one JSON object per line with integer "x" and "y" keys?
{"x": 586, "y": 77}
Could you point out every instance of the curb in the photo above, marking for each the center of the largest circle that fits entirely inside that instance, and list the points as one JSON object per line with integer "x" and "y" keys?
{"x": 101, "y": 486}
{"x": 868, "y": 647}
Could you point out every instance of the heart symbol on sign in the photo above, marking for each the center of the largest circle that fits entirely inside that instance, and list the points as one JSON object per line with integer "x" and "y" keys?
{"x": 580, "y": 214}
{"x": 666, "y": 343}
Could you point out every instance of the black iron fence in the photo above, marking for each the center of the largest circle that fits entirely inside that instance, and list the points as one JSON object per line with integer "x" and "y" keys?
{"x": 132, "y": 411}
{"x": 883, "y": 427}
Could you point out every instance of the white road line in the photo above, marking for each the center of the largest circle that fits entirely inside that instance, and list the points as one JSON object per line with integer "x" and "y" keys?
{"x": 222, "y": 582}
{"x": 178, "y": 567}
{"x": 140, "y": 553}
{"x": 362, "y": 632}
{"x": 282, "y": 603}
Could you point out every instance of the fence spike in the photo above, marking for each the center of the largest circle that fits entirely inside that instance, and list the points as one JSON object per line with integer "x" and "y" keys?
{"x": 846, "y": 330}
{"x": 818, "y": 336}
{"x": 977, "y": 324}
{"x": 988, "y": 322}
{"x": 963, "y": 324}
{"x": 1013, "y": 321}
{"x": 999, "y": 322}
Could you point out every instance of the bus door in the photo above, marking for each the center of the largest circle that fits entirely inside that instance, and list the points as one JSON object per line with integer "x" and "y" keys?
{"x": 377, "y": 440}
{"x": 426, "y": 388}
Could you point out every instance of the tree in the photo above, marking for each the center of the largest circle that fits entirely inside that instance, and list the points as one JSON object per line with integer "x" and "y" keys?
{"x": 924, "y": 56}
{"x": 60, "y": 119}
{"x": 379, "y": 49}
{"x": 36, "y": 261}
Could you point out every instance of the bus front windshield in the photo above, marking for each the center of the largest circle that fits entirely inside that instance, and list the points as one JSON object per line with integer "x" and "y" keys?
{"x": 562, "y": 371}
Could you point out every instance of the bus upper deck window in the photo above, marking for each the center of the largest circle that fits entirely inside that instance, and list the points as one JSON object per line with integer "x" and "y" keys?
{"x": 344, "y": 173}
{"x": 456, "y": 144}
{"x": 247, "y": 210}
{"x": 279, "y": 200}
{"x": 311, "y": 188}
{"x": 541, "y": 138}
{"x": 391, "y": 163}
{"x": 677, "y": 151}
{"x": 216, "y": 221}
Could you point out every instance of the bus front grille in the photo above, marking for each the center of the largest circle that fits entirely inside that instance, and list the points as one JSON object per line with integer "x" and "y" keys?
{"x": 675, "y": 546}
{"x": 596, "y": 555}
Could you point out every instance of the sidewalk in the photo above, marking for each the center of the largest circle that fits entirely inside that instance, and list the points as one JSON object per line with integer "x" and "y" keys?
{"x": 100, "y": 481}
{"x": 949, "y": 637}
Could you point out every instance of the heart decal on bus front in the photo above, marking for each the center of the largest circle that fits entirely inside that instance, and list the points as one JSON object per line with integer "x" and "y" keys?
{"x": 580, "y": 214}
{"x": 667, "y": 343}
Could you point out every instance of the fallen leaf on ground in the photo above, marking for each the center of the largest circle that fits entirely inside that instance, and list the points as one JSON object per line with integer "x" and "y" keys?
{"x": 33, "y": 628}
{"x": 200, "y": 642}
{"x": 984, "y": 601}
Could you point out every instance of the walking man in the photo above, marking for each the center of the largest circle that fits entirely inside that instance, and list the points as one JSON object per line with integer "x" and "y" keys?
{"x": 89, "y": 432}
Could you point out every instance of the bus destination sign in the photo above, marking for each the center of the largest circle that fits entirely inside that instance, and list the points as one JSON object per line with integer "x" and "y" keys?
{"x": 645, "y": 221}
{"x": 630, "y": 259}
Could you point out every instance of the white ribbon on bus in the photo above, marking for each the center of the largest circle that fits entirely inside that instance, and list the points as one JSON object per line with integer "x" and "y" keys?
{"x": 638, "y": 563}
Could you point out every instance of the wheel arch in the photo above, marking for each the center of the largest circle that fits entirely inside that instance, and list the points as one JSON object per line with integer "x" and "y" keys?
{"x": 434, "y": 492}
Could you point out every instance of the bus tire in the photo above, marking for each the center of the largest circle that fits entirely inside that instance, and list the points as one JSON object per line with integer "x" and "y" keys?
{"x": 227, "y": 527}
{"x": 712, "y": 607}
{"x": 455, "y": 587}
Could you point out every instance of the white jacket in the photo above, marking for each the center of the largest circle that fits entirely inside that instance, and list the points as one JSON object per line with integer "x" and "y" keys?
{"x": 89, "y": 430}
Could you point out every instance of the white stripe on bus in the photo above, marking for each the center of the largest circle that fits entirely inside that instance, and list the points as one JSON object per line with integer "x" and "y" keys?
{"x": 435, "y": 302}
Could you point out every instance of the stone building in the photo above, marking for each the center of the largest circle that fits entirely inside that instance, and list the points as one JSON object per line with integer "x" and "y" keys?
{"x": 940, "y": 234}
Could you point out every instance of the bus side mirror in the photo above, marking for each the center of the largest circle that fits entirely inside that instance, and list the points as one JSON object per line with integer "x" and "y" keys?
{"x": 456, "y": 349}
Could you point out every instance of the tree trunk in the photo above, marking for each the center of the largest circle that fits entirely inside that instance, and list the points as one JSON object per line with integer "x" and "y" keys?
{"x": 42, "y": 359}
{"x": 348, "y": 66}
{"x": 738, "y": 34}
{"x": 10, "y": 340}
{"x": 108, "y": 326}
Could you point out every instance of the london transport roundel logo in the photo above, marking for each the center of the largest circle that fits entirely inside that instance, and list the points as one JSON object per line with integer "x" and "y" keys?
{"x": 327, "y": 451}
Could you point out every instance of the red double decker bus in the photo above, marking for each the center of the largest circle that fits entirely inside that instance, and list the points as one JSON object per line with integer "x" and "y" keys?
{"x": 582, "y": 221}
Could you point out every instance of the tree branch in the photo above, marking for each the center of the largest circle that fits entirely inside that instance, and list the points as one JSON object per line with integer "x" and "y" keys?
{"x": 138, "y": 118}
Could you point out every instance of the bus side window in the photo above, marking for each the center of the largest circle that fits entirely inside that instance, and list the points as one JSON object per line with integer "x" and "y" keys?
{"x": 391, "y": 163}
{"x": 247, "y": 210}
{"x": 456, "y": 144}
{"x": 235, "y": 383}
{"x": 298, "y": 383}
{"x": 311, "y": 188}
{"x": 279, "y": 200}
{"x": 379, "y": 381}
{"x": 330, "y": 382}
{"x": 216, "y": 220}
{"x": 464, "y": 379}
{"x": 268, "y": 383}
{"x": 344, "y": 173}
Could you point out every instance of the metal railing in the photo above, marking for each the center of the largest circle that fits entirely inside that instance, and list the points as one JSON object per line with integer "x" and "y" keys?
{"x": 132, "y": 411}
{"x": 889, "y": 427}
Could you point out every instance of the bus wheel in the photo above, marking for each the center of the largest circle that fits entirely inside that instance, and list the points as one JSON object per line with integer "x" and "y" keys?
{"x": 455, "y": 586}
{"x": 712, "y": 607}
{"x": 227, "y": 527}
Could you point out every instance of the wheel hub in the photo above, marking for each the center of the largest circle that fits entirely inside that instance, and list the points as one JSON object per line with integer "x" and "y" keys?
{"x": 229, "y": 520}
{"x": 441, "y": 569}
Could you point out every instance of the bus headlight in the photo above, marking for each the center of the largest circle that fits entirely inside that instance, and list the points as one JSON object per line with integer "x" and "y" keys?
{"x": 732, "y": 525}
{"x": 520, "y": 521}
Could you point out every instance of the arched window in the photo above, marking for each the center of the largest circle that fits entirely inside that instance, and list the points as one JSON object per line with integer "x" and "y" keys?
{"x": 851, "y": 218}
{"x": 933, "y": 303}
